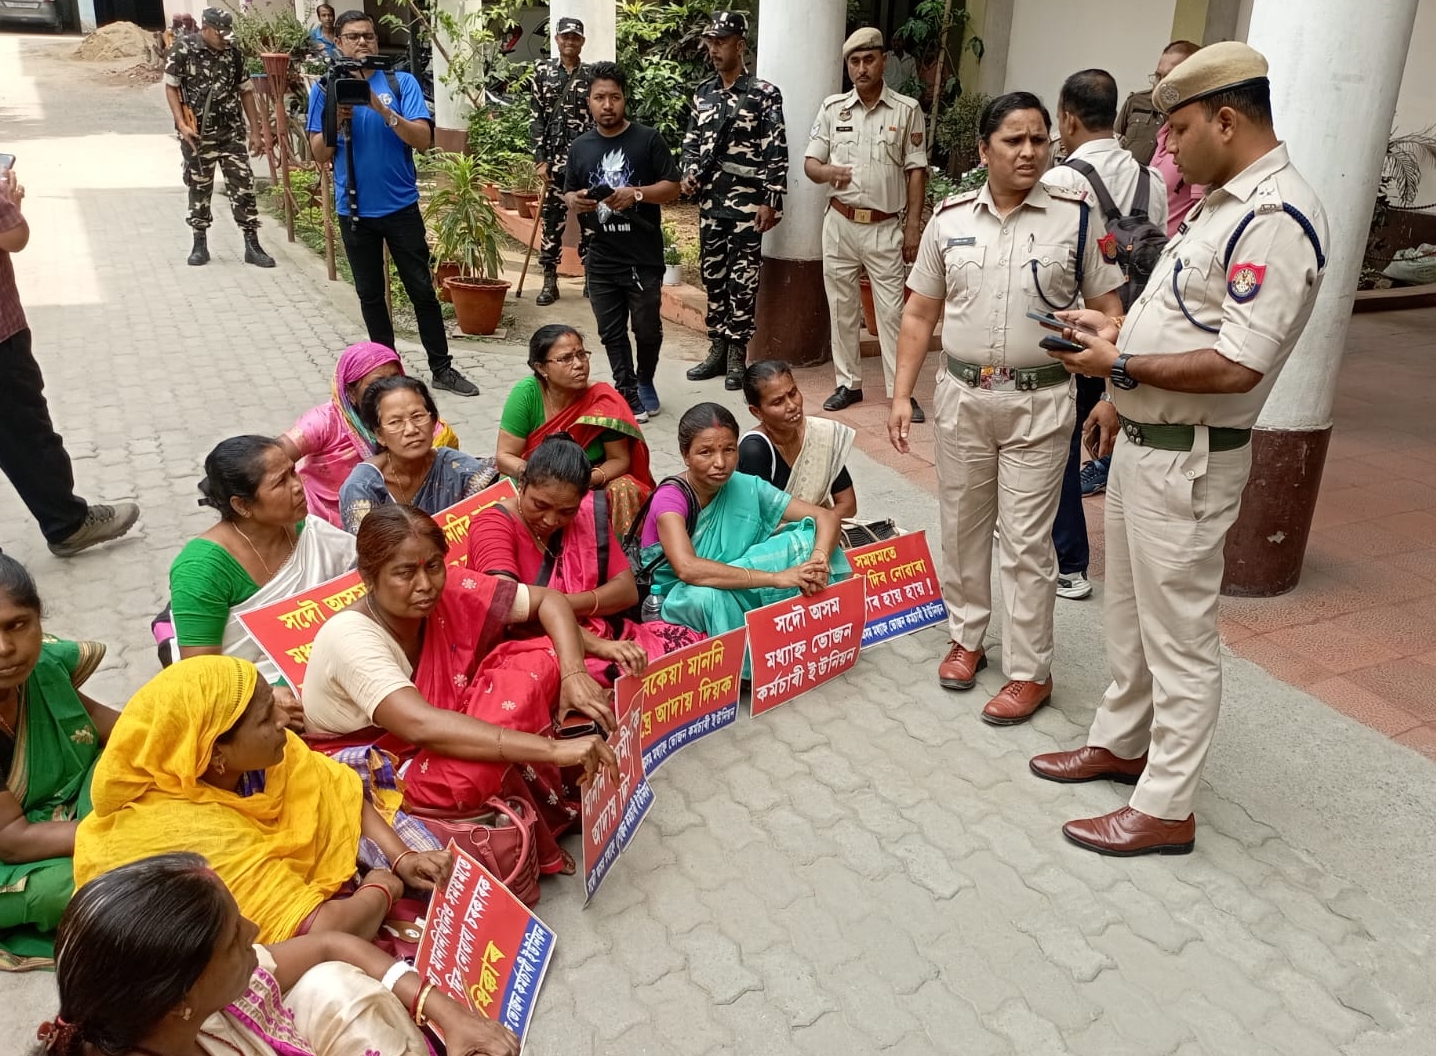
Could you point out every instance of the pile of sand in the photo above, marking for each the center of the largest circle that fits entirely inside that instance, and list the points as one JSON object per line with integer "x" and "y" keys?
{"x": 119, "y": 40}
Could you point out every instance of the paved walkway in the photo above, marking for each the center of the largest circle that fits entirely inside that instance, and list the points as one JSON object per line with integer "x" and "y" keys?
{"x": 867, "y": 869}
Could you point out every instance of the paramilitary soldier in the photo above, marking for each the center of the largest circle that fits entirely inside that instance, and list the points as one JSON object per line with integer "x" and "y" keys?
{"x": 735, "y": 158}
{"x": 1191, "y": 366}
{"x": 559, "y": 102}
{"x": 210, "y": 98}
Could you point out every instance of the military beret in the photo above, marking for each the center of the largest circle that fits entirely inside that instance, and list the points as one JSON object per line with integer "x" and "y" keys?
{"x": 866, "y": 39}
{"x": 569, "y": 25}
{"x": 727, "y": 24}
{"x": 1216, "y": 68}
{"x": 220, "y": 19}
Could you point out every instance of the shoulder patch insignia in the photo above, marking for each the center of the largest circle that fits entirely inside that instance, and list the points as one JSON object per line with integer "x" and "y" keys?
{"x": 958, "y": 199}
{"x": 916, "y": 138}
{"x": 1244, "y": 281}
{"x": 1067, "y": 194}
{"x": 1108, "y": 245}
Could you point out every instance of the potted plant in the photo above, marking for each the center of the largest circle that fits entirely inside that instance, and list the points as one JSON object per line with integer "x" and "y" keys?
{"x": 525, "y": 185}
{"x": 466, "y": 233}
{"x": 672, "y": 258}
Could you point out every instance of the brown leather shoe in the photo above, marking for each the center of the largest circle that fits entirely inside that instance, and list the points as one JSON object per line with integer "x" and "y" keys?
{"x": 960, "y": 666}
{"x": 1087, "y": 764}
{"x": 1015, "y": 702}
{"x": 1125, "y": 833}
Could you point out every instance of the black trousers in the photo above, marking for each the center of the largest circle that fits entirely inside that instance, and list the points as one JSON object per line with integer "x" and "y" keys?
{"x": 32, "y": 454}
{"x": 1069, "y": 530}
{"x": 403, "y": 232}
{"x": 619, "y": 299}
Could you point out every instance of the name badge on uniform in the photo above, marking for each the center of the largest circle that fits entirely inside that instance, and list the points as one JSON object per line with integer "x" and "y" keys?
{"x": 844, "y": 128}
{"x": 968, "y": 240}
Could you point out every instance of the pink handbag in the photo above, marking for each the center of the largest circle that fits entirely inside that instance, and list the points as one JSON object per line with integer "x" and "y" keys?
{"x": 502, "y": 839}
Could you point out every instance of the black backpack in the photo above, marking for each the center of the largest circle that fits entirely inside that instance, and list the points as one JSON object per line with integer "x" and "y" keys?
{"x": 633, "y": 538}
{"x": 1139, "y": 241}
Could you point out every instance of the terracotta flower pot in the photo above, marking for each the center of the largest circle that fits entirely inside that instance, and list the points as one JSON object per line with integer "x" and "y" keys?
{"x": 447, "y": 269}
{"x": 506, "y": 200}
{"x": 478, "y": 303}
{"x": 491, "y": 192}
{"x": 527, "y": 202}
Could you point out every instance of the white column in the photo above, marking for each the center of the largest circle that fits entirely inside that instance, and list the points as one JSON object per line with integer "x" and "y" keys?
{"x": 451, "y": 109}
{"x": 599, "y": 18}
{"x": 800, "y": 49}
{"x": 87, "y": 16}
{"x": 1335, "y": 72}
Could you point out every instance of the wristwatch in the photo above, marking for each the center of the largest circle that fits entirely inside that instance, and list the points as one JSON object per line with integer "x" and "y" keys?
{"x": 392, "y": 120}
{"x": 1119, "y": 373}
{"x": 637, "y": 195}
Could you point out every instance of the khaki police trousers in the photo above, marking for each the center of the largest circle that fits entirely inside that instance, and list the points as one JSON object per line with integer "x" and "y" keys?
{"x": 1000, "y": 458}
{"x": 1167, "y": 517}
{"x": 878, "y": 249}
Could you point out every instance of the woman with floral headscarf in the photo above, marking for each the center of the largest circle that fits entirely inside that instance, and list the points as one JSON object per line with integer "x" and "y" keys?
{"x": 328, "y": 441}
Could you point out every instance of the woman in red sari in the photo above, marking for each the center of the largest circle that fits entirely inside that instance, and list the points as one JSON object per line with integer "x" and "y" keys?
{"x": 560, "y": 398}
{"x": 555, "y": 534}
{"x": 420, "y": 667}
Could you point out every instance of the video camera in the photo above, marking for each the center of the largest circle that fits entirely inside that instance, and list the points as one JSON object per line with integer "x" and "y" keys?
{"x": 347, "y": 84}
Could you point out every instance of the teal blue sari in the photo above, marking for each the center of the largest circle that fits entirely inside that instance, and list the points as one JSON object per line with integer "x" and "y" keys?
{"x": 741, "y": 527}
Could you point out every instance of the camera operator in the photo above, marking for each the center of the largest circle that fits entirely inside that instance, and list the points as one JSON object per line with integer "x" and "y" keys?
{"x": 378, "y": 198}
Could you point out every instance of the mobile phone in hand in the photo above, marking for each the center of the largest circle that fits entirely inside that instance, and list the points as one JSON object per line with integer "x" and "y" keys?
{"x": 600, "y": 192}
{"x": 1059, "y": 344}
{"x": 1051, "y": 322}
{"x": 7, "y": 161}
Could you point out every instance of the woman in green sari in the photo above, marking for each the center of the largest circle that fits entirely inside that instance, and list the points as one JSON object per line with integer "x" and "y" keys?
{"x": 50, "y": 738}
{"x": 752, "y": 544}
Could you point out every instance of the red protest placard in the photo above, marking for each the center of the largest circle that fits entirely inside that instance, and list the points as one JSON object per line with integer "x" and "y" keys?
{"x": 456, "y": 520}
{"x": 690, "y": 694}
{"x": 612, "y": 813}
{"x": 285, "y": 630}
{"x": 903, "y": 592}
{"x": 483, "y": 947}
{"x": 799, "y": 644}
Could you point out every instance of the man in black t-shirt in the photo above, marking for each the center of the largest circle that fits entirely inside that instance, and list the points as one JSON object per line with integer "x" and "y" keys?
{"x": 618, "y": 174}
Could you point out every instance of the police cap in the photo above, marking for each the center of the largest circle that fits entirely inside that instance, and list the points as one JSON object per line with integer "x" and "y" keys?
{"x": 727, "y": 24}
{"x": 569, "y": 25}
{"x": 868, "y": 38}
{"x": 1216, "y": 68}
{"x": 218, "y": 18}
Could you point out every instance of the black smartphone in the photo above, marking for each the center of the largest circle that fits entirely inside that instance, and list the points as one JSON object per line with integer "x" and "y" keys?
{"x": 1059, "y": 344}
{"x": 1051, "y": 321}
{"x": 7, "y": 161}
{"x": 600, "y": 192}
{"x": 579, "y": 725}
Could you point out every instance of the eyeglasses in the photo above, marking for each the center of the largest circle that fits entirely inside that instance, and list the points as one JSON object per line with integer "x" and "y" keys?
{"x": 570, "y": 359}
{"x": 355, "y": 38}
{"x": 419, "y": 420}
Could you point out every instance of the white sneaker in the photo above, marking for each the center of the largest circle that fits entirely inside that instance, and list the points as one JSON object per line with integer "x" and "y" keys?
{"x": 1074, "y": 587}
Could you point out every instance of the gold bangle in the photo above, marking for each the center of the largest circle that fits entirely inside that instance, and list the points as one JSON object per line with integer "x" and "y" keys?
{"x": 419, "y": 1019}
{"x": 594, "y": 611}
{"x": 575, "y": 671}
{"x": 816, "y": 551}
{"x": 749, "y": 573}
{"x": 502, "y": 756}
{"x": 602, "y": 476}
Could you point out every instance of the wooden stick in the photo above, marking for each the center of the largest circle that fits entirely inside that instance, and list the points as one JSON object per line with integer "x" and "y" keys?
{"x": 533, "y": 237}
{"x": 326, "y": 203}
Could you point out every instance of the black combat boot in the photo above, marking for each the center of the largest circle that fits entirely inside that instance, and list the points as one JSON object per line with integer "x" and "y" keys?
{"x": 713, "y": 365}
{"x": 737, "y": 364}
{"x": 254, "y": 253}
{"x": 549, "y": 293}
{"x": 200, "y": 253}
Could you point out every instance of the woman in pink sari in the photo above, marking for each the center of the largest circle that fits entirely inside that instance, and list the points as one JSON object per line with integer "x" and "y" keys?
{"x": 328, "y": 441}
{"x": 557, "y": 534}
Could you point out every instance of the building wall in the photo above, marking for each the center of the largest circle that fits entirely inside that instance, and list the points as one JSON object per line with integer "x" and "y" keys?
{"x": 1051, "y": 40}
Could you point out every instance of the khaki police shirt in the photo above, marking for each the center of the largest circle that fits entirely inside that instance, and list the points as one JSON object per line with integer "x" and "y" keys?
{"x": 982, "y": 265}
{"x": 881, "y": 143}
{"x": 1118, "y": 171}
{"x": 1258, "y": 300}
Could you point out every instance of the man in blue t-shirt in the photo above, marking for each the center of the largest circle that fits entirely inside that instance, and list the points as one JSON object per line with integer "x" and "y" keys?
{"x": 381, "y": 206}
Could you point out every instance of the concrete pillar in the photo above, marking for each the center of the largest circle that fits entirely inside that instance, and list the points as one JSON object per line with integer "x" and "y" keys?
{"x": 87, "y": 16}
{"x": 599, "y": 18}
{"x": 451, "y": 109}
{"x": 792, "y": 317}
{"x": 992, "y": 21}
{"x": 1335, "y": 73}
{"x": 1205, "y": 21}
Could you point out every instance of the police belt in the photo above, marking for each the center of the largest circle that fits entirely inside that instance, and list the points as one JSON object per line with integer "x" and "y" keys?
{"x": 1024, "y": 378}
{"x": 860, "y": 216}
{"x": 732, "y": 168}
{"x": 1168, "y": 437}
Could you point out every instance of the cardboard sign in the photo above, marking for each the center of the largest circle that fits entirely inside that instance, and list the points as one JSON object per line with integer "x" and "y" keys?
{"x": 903, "y": 592}
{"x": 800, "y": 644}
{"x": 483, "y": 947}
{"x": 456, "y": 520}
{"x": 690, "y": 694}
{"x": 285, "y": 630}
{"x": 612, "y": 813}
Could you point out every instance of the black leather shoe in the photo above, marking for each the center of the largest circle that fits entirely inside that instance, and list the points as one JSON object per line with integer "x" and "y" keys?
{"x": 918, "y": 416}
{"x": 254, "y": 253}
{"x": 714, "y": 365}
{"x": 842, "y": 398}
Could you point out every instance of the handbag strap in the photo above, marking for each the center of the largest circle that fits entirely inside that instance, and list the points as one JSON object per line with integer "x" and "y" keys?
{"x": 525, "y": 836}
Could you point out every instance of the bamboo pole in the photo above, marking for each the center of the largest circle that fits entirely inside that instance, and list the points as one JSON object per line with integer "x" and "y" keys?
{"x": 326, "y": 203}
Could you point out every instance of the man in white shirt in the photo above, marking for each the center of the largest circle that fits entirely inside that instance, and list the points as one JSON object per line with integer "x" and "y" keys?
{"x": 1086, "y": 115}
{"x": 901, "y": 66}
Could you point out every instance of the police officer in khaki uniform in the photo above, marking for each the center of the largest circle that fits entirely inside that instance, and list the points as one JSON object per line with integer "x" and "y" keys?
{"x": 1191, "y": 367}
{"x": 869, "y": 146}
{"x": 1003, "y": 408}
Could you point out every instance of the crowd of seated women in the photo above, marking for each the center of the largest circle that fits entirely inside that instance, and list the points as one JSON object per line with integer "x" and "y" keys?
{"x": 291, "y": 816}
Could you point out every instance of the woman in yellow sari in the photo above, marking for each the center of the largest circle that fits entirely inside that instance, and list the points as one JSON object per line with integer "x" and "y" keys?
{"x": 201, "y": 761}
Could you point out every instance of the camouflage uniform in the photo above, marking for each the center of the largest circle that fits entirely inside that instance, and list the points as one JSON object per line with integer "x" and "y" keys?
{"x": 212, "y": 83}
{"x": 752, "y": 171}
{"x": 559, "y": 102}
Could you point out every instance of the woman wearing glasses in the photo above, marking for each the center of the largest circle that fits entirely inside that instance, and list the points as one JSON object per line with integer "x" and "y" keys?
{"x": 559, "y": 397}
{"x": 406, "y": 467}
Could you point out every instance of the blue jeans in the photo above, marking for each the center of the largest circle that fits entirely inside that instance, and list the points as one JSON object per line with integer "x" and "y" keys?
{"x": 1069, "y": 530}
